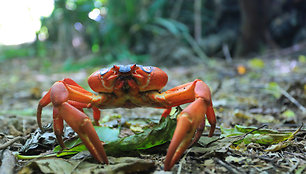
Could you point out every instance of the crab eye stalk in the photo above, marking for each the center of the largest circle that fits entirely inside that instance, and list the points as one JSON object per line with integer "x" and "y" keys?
{"x": 124, "y": 69}
{"x": 147, "y": 69}
{"x": 102, "y": 80}
{"x": 104, "y": 71}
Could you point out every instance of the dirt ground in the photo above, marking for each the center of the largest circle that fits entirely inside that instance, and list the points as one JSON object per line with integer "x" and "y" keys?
{"x": 257, "y": 94}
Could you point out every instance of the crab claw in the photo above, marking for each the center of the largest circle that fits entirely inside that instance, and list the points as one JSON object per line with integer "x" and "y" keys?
{"x": 192, "y": 118}
{"x": 71, "y": 111}
{"x": 82, "y": 125}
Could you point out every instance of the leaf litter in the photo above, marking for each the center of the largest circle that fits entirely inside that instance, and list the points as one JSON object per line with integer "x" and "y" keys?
{"x": 246, "y": 95}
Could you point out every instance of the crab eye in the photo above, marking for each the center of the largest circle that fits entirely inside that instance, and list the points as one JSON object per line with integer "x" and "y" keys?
{"x": 104, "y": 71}
{"x": 147, "y": 69}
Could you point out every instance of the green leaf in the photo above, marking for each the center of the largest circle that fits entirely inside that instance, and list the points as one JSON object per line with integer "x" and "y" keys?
{"x": 137, "y": 126}
{"x": 174, "y": 27}
{"x": 266, "y": 139}
{"x": 107, "y": 134}
{"x": 71, "y": 151}
{"x": 302, "y": 58}
{"x": 256, "y": 63}
{"x": 170, "y": 26}
{"x": 74, "y": 146}
{"x": 155, "y": 136}
{"x": 246, "y": 129}
{"x": 241, "y": 130}
{"x": 228, "y": 132}
{"x": 160, "y": 134}
{"x": 288, "y": 113}
{"x": 261, "y": 136}
{"x": 273, "y": 89}
{"x": 283, "y": 144}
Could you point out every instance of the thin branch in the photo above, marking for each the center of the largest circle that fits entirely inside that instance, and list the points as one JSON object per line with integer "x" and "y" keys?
{"x": 12, "y": 141}
{"x": 183, "y": 160}
{"x": 265, "y": 158}
{"x": 229, "y": 167}
{"x": 294, "y": 166}
{"x": 227, "y": 53}
{"x": 293, "y": 100}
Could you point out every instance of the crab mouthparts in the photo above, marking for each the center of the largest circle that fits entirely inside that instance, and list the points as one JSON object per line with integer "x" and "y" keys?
{"x": 124, "y": 81}
{"x": 125, "y": 77}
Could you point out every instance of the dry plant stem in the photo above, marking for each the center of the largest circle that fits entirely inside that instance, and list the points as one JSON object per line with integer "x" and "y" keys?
{"x": 290, "y": 130}
{"x": 183, "y": 160}
{"x": 286, "y": 94}
{"x": 14, "y": 131}
{"x": 10, "y": 142}
{"x": 303, "y": 157}
{"x": 227, "y": 53}
{"x": 265, "y": 158}
{"x": 230, "y": 168}
{"x": 30, "y": 159}
{"x": 220, "y": 138}
{"x": 214, "y": 92}
{"x": 293, "y": 100}
{"x": 8, "y": 162}
{"x": 78, "y": 164}
{"x": 294, "y": 166}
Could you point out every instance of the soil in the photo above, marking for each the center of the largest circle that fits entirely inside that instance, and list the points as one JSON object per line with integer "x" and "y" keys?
{"x": 265, "y": 93}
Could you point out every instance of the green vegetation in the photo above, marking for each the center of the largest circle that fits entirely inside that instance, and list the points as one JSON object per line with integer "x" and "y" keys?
{"x": 88, "y": 33}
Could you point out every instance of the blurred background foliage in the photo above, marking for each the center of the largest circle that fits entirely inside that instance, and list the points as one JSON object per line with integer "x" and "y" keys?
{"x": 82, "y": 33}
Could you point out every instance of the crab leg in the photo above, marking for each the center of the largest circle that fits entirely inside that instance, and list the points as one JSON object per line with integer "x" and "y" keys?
{"x": 191, "y": 121}
{"x": 42, "y": 103}
{"x": 82, "y": 125}
{"x": 78, "y": 97}
{"x": 68, "y": 99}
{"x": 187, "y": 122}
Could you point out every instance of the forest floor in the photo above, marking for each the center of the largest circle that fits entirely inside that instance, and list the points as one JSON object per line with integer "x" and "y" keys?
{"x": 266, "y": 98}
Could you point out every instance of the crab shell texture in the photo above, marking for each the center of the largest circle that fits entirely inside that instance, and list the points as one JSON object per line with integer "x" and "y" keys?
{"x": 147, "y": 78}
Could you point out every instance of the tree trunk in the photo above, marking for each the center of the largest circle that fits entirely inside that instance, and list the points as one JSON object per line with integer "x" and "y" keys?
{"x": 254, "y": 26}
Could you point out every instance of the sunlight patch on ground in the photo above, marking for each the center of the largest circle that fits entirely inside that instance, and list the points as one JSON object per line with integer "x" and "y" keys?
{"x": 20, "y": 19}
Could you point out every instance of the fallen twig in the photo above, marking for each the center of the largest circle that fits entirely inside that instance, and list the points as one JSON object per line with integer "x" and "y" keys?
{"x": 14, "y": 131}
{"x": 183, "y": 160}
{"x": 10, "y": 142}
{"x": 78, "y": 164}
{"x": 294, "y": 166}
{"x": 230, "y": 168}
{"x": 265, "y": 158}
{"x": 217, "y": 88}
{"x": 227, "y": 53}
{"x": 293, "y": 100}
{"x": 286, "y": 94}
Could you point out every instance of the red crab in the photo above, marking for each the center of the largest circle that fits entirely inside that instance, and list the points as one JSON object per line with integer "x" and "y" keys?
{"x": 129, "y": 86}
